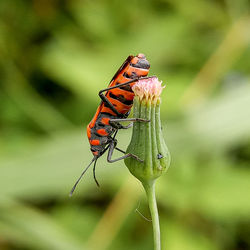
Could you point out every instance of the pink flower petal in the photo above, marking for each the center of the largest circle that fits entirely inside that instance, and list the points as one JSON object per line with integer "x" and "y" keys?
{"x": 149, "y": 89}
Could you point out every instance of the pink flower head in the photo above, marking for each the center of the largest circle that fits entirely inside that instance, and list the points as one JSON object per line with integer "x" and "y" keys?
{"x": 149, "y": 89}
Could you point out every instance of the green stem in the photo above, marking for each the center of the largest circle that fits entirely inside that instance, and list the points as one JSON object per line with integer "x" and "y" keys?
{"x": 150, "y": 191}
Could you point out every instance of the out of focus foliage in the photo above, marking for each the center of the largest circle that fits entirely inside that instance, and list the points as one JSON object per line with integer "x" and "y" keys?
{"x": 56, "y": 55}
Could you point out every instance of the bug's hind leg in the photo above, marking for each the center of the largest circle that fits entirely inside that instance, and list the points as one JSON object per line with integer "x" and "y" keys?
{"x": 111, "y": 150}
{"x": 116, "y": 122}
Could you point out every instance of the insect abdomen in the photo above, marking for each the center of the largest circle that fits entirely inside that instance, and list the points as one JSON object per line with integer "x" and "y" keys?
{"x": 122, "y": 97}
{"x": 99, "y": 130}
{"x": 100, "y": 133}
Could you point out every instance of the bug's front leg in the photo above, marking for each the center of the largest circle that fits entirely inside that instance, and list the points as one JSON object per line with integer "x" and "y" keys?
{"x": 106, "y": 100}
{"x": 109, "y": 104}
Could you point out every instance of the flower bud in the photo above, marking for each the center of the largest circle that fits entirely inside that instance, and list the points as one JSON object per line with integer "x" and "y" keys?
{"x": 147, "y": 139}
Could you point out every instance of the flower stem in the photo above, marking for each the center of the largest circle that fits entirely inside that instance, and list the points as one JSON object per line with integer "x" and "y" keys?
{"x": 150, "y": 191}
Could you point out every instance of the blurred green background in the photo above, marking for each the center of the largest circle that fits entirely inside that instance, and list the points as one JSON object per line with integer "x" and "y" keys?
{"x": 56, "y": 55}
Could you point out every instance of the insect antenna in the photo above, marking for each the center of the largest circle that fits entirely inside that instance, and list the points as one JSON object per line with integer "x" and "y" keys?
{"x": 84, "y": 171}
{"x": 94, "y": 175}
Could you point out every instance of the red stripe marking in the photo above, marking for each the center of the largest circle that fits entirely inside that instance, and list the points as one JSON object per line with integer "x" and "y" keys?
{"x": 107, "y": 110}
{"x": 88, "y": 132}
{"x": 105, "y": 120}
{"x": 94, "y": 142}
{"x": 102, "y": 132}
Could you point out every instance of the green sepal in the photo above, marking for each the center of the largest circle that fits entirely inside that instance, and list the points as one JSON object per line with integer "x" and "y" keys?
{"x": 147, "y": 143}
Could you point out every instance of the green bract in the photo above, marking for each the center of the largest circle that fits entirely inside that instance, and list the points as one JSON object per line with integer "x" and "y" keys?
{"x": 147, "y": 139}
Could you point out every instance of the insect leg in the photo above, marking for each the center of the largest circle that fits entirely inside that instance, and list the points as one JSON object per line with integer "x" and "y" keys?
{"x": 117, "y": 125}
{"x": 120, "y": 150}
{"x": 126, "y": 83}
{"x": 111, "y": 150}
{"x": 116, "y": 122}
{"x": 109, "y": 104}
{"x": 129, "y": 120}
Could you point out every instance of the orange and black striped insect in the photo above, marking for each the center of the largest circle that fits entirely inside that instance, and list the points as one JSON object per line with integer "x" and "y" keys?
{"x": 117, "y": 101}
